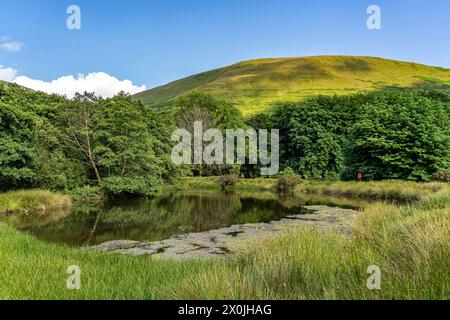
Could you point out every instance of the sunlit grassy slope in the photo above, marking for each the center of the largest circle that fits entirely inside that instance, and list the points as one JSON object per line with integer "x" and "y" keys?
{"x": 256, "y": 85}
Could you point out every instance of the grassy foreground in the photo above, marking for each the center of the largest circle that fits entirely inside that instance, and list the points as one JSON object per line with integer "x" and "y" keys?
{"x": 411, "y": 246}
{"x": 409, "y": 243}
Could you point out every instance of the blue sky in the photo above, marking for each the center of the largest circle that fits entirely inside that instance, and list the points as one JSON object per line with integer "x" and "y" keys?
{"x": 152, "y": 42}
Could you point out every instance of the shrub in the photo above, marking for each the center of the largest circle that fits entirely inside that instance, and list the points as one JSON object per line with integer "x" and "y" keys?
{"x": 442, "y": 176}
{"x": 87, "y": 194}
{"x": 230, "y": 179}
{"x": 287, "y": 181}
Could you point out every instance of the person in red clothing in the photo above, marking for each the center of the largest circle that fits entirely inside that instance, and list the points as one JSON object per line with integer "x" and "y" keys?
{"x": 360, "y": 176}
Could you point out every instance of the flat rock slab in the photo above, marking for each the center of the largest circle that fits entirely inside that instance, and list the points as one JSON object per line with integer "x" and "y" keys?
{"x": 225, "y": 241}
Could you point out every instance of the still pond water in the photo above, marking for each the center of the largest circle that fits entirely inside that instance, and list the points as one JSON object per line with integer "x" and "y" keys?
{"x": 160, "y": 217}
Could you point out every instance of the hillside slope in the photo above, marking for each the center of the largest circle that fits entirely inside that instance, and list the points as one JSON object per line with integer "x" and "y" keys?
{"x": 256, "y": 85}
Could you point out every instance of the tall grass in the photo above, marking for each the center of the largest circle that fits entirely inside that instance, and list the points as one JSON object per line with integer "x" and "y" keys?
{"x": 31, "y": 269}
{"x": 410, "y": 245}
{"x": 397, "y": 190}
{"x": 32, "y": 201}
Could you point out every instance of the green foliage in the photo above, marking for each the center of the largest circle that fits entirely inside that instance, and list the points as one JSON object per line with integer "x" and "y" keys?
{"x": 38, "y": 103}
{"x": 394, "y": 134}
{"x": 160, "y": 126}
{"x": 77, "y": 122}
{"x": 51, "y": 142}
{"x": 114, "y": 138}
{"x": 17, "y": 152}
{"x": 55, "y": 170}
{"x": 31, "y": 153}
{"x": 213, "y": 114}
{"x": 124, "y": 147}
{"x": 313, "y": 132}
{"x": 87, "y": 194}
{"x": 400, "y": 135}
{"x": 121, "y": 146}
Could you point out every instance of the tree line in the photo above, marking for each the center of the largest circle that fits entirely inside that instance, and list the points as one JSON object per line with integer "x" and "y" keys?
{"x": 391, "y": 134}
{"x": 124, "y": 148}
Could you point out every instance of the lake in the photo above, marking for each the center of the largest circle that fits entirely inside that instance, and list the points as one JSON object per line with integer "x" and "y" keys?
{"x": 161, "y": 217}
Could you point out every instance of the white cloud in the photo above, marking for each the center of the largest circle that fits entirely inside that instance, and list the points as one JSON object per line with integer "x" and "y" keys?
{"x": 7, "y": 74}
{"x": 13, "y": 46}
{"x": 102, "y": 84}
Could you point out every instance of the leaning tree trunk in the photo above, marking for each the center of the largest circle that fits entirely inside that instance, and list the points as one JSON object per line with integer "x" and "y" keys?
{"x": 91, "y": 156}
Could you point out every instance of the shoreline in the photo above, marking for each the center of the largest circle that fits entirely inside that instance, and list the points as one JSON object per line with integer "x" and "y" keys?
{"x": 226, "y": 241}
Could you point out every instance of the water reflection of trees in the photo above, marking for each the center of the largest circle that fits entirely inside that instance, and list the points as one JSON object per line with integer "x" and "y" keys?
{"x": 161, "y": 217}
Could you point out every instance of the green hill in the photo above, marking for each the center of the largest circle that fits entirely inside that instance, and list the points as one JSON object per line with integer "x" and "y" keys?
{"x": 255, "y": 85}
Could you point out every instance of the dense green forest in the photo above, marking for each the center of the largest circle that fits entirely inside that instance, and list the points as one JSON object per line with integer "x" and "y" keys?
{"x": 60, "y": 144}
{"x": 384, "y": 135}
{"x": 122, "y": 147}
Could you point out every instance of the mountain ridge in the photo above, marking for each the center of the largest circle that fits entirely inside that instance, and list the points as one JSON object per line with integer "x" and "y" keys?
{"x": 256, "y": 85}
